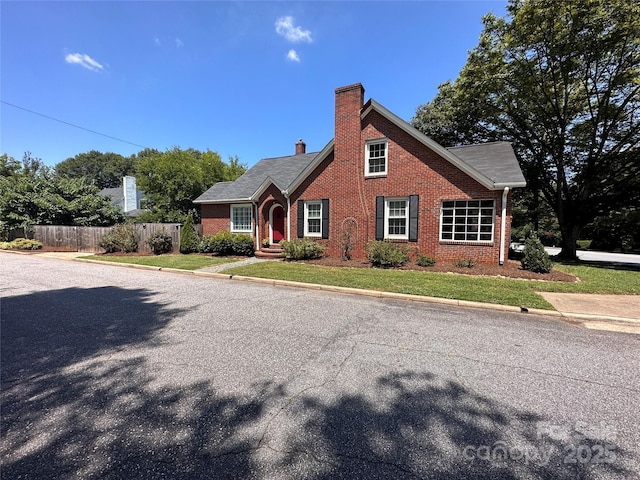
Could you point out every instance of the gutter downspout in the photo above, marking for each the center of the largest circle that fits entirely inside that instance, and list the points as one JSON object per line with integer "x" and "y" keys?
{"x": 503, "y": 224}
{"x": 257, "y": 239}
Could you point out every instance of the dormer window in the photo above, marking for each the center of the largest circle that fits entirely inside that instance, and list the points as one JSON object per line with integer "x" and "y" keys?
{"x": 376, "y": 158}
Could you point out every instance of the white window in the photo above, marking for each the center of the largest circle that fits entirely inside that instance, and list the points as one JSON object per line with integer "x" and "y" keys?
{"x": 241, "y": 218}
{"x": 375, "y": 158}
{"x": 467, "y": 220}
{"x": 312, "y": 219}
{"x": 396, "y": 218}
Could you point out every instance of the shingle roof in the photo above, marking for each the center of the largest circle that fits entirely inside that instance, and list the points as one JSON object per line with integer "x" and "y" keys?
{"x": 495, "y": 160}
{"x": 116, "y": 194}
{"x": 282, "y": 171}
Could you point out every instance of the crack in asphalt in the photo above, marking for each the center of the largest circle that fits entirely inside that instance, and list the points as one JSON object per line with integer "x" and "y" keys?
{"x": 485, "y": 362}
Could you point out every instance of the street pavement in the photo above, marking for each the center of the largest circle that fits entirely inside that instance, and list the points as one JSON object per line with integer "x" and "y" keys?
{"x": 111, "y": 372}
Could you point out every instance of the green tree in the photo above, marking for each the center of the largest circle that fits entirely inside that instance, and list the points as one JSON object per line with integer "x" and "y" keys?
{"x": 104, "y": 169}
{"x": 561, "y": 81}
{"x": 173, "y": 179}
{"x": 33, "y": 195}
{"x": 189, "y": 240}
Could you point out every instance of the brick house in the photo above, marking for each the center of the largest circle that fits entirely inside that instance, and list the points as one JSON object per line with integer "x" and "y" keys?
{"x": 379, "y": 178}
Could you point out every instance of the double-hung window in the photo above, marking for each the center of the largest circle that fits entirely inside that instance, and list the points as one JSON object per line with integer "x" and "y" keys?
{"x": 467, "y": 220}
{"x": 396, "y": 218}
{"x": 312, "y": 219}
{"x": 241, "y": 218}
{"x": 376, "y": 158}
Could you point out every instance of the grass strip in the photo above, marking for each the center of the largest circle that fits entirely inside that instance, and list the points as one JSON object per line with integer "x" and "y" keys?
{"x": 443, "y": 285}
{"x": 183, "y": 262}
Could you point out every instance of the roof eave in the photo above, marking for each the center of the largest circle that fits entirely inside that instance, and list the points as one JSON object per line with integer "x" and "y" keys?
{"x": 224, "y": 200}
{"x": 501, "y": 185}
{"x": 433, "y": 145}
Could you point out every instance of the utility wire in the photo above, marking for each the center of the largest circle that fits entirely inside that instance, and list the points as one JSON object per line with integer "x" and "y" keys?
{"x": 71, "y": 124}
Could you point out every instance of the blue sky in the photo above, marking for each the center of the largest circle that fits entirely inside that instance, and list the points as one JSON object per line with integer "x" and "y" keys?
{"x": 239, "y": 78}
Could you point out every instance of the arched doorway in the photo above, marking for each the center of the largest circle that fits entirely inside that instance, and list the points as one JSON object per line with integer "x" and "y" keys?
{"x": 276, "y": 220}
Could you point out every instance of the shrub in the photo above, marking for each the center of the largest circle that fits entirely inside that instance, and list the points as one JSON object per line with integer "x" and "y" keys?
{"x": 21, "y": 244}
{"x": 301, "y": 249}
{"x": 534, "y": 256}
{"x": 425, "y": 260}
{"x": 386, "y": 254}
{"x": 465, "y": 263}
{"x": 160, "y": 242}
{"x": 121, "y": 238}
{"x": 227, "y": 243}
{"x": 189, "y": 240}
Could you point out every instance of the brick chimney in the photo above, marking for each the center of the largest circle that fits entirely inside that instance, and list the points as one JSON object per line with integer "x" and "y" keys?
{"x": 349, "y": 102}
{"x": 301, "y": 147}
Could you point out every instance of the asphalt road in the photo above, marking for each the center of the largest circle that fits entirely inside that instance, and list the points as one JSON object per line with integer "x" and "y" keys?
{"x": 607, "y": 257}
{"x": 112, "y": 372}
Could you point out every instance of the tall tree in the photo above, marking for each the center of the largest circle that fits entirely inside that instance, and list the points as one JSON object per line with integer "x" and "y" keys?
{"x": 561, "y": 81}
{"x": 104, "y": 169}
{"x": 173, "y": 179}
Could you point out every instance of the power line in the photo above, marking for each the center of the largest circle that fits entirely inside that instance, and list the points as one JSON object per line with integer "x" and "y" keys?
{"x": 71, "y": 124}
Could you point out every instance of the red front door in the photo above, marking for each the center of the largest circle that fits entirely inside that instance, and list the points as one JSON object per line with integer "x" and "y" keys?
{"x": 277, "y": 224}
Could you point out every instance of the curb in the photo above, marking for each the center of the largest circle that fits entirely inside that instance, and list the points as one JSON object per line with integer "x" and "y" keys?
{"x": 374, "y": 293}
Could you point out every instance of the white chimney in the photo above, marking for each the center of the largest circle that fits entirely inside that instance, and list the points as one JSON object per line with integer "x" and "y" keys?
{"x": 131, "y": 201}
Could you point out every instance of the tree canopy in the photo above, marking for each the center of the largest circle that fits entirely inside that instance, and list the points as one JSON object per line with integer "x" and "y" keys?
{"x": 561, "y": 81}
{"x": 171, "y": 180}
{"x": 104, "y": 169}
{"x": 30, "y": 194}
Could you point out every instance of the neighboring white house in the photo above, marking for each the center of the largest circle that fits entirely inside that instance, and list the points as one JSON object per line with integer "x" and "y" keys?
{"x": 126, "y": 197}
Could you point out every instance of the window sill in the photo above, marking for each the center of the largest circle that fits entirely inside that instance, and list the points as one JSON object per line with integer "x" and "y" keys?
{"x": 478, "y": 243}
{"x": 375, "y": 175}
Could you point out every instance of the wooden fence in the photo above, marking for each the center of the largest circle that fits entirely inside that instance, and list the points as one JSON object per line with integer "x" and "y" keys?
{"x": 87, "y": 239}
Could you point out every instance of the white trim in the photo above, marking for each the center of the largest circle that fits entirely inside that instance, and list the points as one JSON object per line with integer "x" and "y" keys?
{"x": 387, "y": 235}
{"x": 240, "y": 205}
{"x": 271, "y": 221}
{"x": 306, "y": 218}
{"x": 288, "y": 219}
{"x": 367, "y": 144}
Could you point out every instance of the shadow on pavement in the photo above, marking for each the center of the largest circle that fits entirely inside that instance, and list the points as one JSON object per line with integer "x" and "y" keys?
{"x": 68, "y": 414}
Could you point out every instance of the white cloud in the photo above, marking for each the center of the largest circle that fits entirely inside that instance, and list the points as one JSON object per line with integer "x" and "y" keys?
{"x": 84, "y": 60}
{"x": 157, "y": 41}
{"x": 293, "y": 56}
{"x": 285, "y": 27}
{"x": 179, "y": 43}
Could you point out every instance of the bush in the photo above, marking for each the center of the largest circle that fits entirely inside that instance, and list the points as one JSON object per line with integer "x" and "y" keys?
{"x": 386, "y": 254}
{"x": 121, "y": 238}
{"x": 227, "y": 243}
{"x": 301, "y": 249}
{"x": 160, "y": 242}
{"x": 425, "y": 260}
{"x": 21, "y": 244}
{"x": 465, "y": 263}
{"x": 534, "y": 256}
{"x": 189, "y": 239}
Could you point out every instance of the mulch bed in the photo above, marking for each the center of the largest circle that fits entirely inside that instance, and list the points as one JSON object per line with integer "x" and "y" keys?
{"x": 510, "y": 269}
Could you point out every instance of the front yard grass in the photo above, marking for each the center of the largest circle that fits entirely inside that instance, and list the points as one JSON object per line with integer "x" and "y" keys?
{"x": 504, "y": 291}
{"x": 183, "y": 262}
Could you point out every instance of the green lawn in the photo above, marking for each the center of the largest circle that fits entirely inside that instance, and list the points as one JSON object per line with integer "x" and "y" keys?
{"x": 460, "y": 287}
{"x": 184, "y": 262}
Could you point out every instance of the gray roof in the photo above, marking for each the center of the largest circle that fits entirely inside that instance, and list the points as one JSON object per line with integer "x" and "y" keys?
{"x": 116, "y": 194}
{"x": 495, "y": 160}
{"x": 282, "y": 171}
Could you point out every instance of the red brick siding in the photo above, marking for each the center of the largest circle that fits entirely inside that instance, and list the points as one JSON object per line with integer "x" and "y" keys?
{"x": 215, "y": 218}
{"x": 413, "y": 168}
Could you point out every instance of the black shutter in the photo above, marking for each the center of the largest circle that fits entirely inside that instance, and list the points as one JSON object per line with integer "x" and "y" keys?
{"x": 413, "y": 218}
{"x": 325, "y": 218}
{"x": 300, "y": 218}
{"x": 380, "y": 218}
